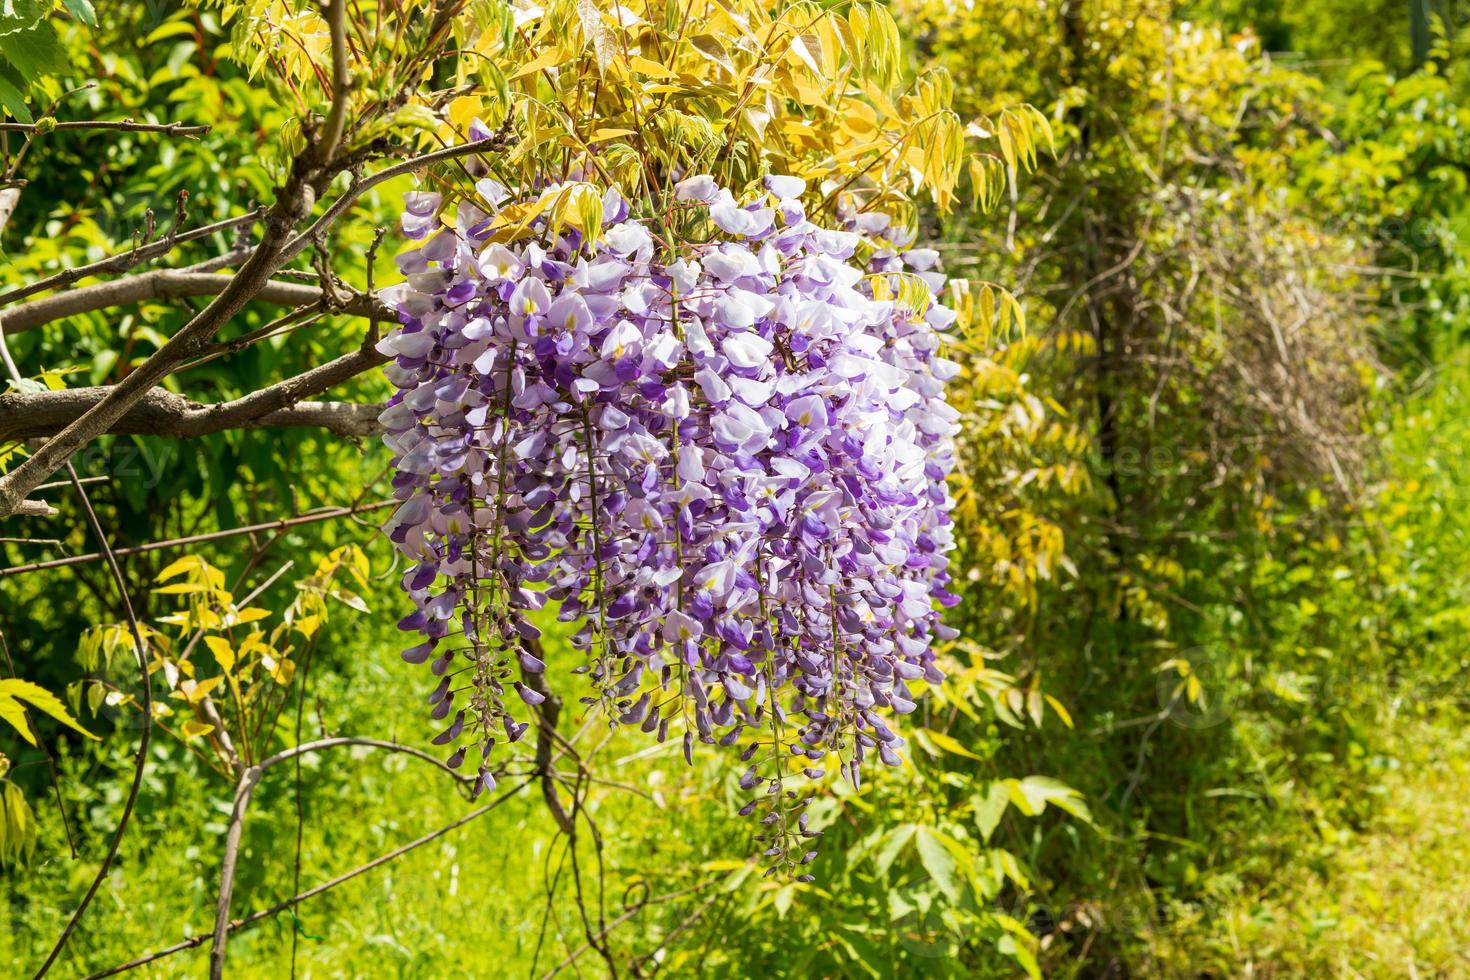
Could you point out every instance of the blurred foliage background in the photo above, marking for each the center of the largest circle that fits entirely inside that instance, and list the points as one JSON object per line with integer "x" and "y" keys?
{"x": 1207, "y": 713}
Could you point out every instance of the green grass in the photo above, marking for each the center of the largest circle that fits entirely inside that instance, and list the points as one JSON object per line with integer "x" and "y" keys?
{"x": 474, "y": 897}
{"x": 1389, "y": 900}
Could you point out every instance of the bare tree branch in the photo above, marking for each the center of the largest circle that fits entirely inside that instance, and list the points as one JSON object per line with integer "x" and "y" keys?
{"x": 162, "y": 413}
{"x": 296, "y": 202}
{"x": 164, "y": 284}
{"x": 123, "y": 261}
{"x": 9, "y": 198}
{"x": 112, "y": 125}
{"x": 275, "y": 401}
{"x": 308, "y": 518}
{"x": 547, "y": 714}
{"x": 336, "y": 15}
{"x": 29, "y": 415}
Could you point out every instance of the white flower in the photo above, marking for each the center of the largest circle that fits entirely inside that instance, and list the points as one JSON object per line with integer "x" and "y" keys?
{"x": 786, "y": 188}
{"x": 700, "y": 187}
{"x": 746, "y": 350}
{"x": 498, "y": 262}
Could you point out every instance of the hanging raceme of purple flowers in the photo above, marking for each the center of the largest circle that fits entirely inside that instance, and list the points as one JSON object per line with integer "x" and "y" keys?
{"x": 728, "y": 468}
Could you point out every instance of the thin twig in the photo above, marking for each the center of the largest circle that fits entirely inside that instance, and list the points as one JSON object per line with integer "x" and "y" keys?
{"x": 629, "y": 913}
{"x": 112, "y": 125}
{"x": 144, "y": 738}
{"x": 123, "y": 261}
{"x": 244, "y": 790}
{"x": 344, "y": 202}
{"x": 636, "y": 964}
{"x": 254, "y": 917}
{"x": 307, "y": 518}
{"x": 299, "y": 799}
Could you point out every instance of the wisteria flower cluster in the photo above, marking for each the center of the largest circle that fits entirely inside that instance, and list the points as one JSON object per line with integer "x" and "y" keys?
{"x": 726, "y": 461}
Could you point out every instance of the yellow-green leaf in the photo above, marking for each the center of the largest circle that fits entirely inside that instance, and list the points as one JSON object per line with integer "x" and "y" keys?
{"x": 194, "y": 728}
{"x": 223, "y": 652}
{"x": 15, "y": 691}
{"x": 949, "y": 743}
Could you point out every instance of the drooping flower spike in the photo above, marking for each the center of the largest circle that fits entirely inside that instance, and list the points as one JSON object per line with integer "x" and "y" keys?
{"x": 727, "y": 466}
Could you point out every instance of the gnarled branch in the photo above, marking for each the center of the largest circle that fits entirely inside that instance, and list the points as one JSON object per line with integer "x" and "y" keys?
{"x": 27, "y": 415}
{"x": 162, "y": 413}
{"x": 168, "y": 284}
{"x": 295, "y": 204}
{"x": 111, "y": 125}
{"x": 123, "y": 261}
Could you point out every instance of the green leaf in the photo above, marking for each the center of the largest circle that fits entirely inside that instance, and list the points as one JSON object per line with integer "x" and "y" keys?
{"x": 12, "y": 94}
{"x": 82, "y": 11}
{"x": 892, "y": 845}
{"x": 34, "y": 52}
{"x": 989, "y": 808}
{"x": 1032, "y": 794}
{"x": 783, "y": 899}
{"x": 15, "y": 691}
{"x": 946, "y": 742}
{"x": 938, "y": 858}
{"x": 21, "y": 15}
{"x": 17, "y": 825}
